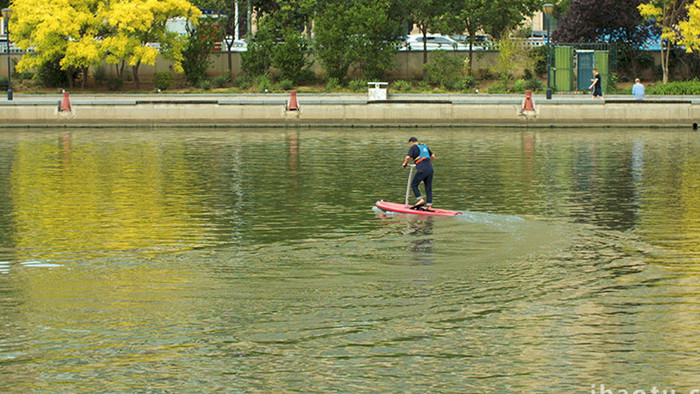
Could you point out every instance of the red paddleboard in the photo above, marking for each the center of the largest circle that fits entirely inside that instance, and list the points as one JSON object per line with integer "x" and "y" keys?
{"x": 401, "y": 208}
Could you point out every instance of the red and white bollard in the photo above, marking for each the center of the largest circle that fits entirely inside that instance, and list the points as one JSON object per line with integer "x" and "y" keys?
{"x": 65, "y": 103}
{"x": 528, "y": 105}
{"x": 292, "y": 104}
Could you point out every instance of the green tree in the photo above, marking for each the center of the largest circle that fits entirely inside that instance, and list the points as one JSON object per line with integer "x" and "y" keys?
{"x": 362, "y": 34}
{"x": 493, "y": 16}
{"x": 427, "y": 15}
{"x": 279, "y": 41}
{"x": 257, "y": 60}
{"x": 502, "y": 16}
{"x": 291, "y": 56}
{"x": 468, "y": 16}
{"x": 231, "y": 14}
{"x": 378, "y": 45}
{"x": 331, "y": 46}
{"x": 291, "y": 50}
{"x": 200, "y": 43}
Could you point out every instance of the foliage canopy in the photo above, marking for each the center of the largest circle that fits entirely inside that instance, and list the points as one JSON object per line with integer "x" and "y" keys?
{"x": 82, "y": 33}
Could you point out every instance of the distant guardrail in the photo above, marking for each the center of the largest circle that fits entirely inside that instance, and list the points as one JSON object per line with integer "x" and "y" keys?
{"x": 13, "y": 47}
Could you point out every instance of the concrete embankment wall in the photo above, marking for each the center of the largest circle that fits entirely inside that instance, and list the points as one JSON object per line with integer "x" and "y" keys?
{"x": 346, "y": 111}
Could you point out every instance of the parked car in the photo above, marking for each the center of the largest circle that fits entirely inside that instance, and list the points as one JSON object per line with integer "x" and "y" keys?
{"x": 541, "y": 34}
{"x": 538, "y": 38}
{"x": 481, "y": 41}
{"x": 238, "y": 45}
{"x": 433, "y": 42}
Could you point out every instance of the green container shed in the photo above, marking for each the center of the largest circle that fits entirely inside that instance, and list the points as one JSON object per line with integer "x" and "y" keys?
{"x": 563, "y": 69}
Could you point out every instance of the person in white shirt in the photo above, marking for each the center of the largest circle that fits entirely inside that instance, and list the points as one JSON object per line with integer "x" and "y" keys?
{"x": 638, "y": 89}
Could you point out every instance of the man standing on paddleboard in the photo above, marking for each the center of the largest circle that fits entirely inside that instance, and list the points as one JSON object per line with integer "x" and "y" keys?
{"x": 422, "y": 156}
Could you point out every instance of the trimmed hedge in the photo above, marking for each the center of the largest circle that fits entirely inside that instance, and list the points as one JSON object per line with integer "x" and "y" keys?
{"x": 679, "y": 88}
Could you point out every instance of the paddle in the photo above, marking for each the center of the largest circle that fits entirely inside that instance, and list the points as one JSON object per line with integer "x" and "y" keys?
{"x": 408, "y": 187}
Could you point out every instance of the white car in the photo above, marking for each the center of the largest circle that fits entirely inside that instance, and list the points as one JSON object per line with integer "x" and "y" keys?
{"x": 481, "y": 41}
{"x": 433, "y": 42}
{"x": 238, "y": 45}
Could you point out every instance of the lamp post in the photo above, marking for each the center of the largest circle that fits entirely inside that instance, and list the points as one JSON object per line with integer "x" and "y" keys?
{"x": 7, "y": 13}
{"x": 548, "y": 8}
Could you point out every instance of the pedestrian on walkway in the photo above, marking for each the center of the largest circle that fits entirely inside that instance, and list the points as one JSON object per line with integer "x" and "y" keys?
{"x": 596, "y": 85}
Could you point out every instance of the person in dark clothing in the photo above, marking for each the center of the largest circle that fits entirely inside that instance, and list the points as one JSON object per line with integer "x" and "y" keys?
{"x": 422, "y": 157}
{"x": 597, "y": 86}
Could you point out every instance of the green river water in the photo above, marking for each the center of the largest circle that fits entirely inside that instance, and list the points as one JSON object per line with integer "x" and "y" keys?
{"x": 229, "y": 260}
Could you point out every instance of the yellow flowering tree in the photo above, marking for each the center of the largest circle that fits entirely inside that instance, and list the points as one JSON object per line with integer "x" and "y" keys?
{"x": 690, "y": 29}
{"x": 82, "y": 33}
{"x": 138, "y": 33}
{"x": 58, "y": 30}
{"x": 666, "y": 14}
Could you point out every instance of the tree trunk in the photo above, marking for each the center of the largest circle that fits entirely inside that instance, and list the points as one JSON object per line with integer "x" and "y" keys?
{"x": 83, "y": 82}
{"x": 69, "y": 76}
{"x": 425, "y": 45}
{"x": 230, "y": 65}
{"x": 471, "y": 52}
{"x": 665, "y": 44}
{"x": 120, "y": 69}
{"x": 135, "y": 70}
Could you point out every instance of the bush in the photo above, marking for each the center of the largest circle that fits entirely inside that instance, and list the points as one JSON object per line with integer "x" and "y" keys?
{"x": 485, "y": 74}
{"x": 305, "y": 76}
{"x": 519, "y": 86}
{"x": 100, "y": 74}
{"x": 115, "y": 83}
{"x": 403, "y": 86}
{"x": 469, "y": 82}
{"x": 291, "y": 56}
{"x": 50, "y": 75}
{"x": 513, "y": 57}
{"x": 257, "y": 57}
{"x": 444, "y": 69}
{"x": 205, "y": 84}
{"x": 264, "y": 84}
{"x": 3, "y": 83}
{"x": 220, "y": 81}
{"x": 286, "y": 84}
{"x": 198, "y": 46}
{"x": 242, "y": 82}
{"x": 333, "y": 83}
{"x": 506, "y": 78}
{"x": 499, "y": 87}
{"x": 358, "y": 85}
{"x": 422, "y": 85}
{"x": 457, "y": 84}
{"x": 534, "y": 84}
{"x": 691, "y": 87}
{"x": 163, "y": 80}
